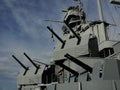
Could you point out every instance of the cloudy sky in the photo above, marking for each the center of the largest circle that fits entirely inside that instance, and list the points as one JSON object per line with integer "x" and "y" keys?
{"x": 23, "y": 29}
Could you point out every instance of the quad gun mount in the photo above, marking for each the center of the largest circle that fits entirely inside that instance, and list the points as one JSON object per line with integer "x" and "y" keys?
{"x": 27, "y": 68}
{"x": 78, "y": 62}
{"x": 60, "y": 63}
{"x": 83, "y": 58}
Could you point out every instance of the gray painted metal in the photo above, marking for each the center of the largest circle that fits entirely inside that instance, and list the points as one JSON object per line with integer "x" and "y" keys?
{"x": 111, "y": 70}
{"x": 97, "y": 71}
{"x": 98, "y": 85}
{"x": 51, "y": 87}
{"x": 81, "y": 64}
{"x": 68, "y": 86}
{"x": 30, "y": 77}
{"x": 117, "y": 84}
{"x": 116, "y": 47}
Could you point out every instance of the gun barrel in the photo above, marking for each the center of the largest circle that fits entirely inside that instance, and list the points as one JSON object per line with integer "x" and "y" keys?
{"x": 20, "y": 62}
{"x": 51, "y": 30}
{"x": 67, "y": 68}
{"x": 80, "y": 63}
{"x": 31, "y": 60}
{"x": 41, "y": 63}
{"x": 73, "y": 31}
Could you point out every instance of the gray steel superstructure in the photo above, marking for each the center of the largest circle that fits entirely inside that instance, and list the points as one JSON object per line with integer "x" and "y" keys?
{"x": 83, "y": 59}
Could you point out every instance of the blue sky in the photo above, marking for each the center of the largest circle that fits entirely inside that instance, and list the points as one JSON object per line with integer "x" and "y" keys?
{"x": 23, "y": 29}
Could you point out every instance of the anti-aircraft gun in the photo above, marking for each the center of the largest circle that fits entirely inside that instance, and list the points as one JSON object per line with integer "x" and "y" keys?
{"x": 26, "y": 68}
{"x": 83, "y": 59}
{"x": 29, "y": 76}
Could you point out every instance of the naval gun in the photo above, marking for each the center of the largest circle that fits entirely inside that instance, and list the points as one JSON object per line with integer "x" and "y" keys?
{"x": 62, "y": 41}
{"x": 78, "y": 62}
{"x": 78, "y": 37}
{"x": 36, "y": 66}
{"x": 26, "y": 68}
{"x": 60, "y": 63}
{"x": 89, "y": 65}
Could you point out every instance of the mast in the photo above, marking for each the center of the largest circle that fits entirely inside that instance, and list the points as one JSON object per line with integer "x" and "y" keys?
{"x": 80, "y": 4}
{"x": 102, "y": 32}
{"x": 100, "y": 10}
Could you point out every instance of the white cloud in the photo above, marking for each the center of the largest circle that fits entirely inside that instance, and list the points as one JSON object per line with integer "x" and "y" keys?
{"x": 29, "y": 22}
{"x": 7, "y": 69}
{"x": 37, "y": 45}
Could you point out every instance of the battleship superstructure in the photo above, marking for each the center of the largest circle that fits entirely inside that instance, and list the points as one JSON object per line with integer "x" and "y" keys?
{"x": 83, "y": 59}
